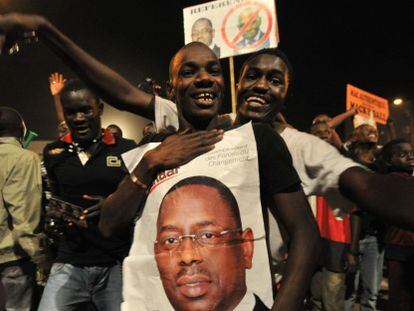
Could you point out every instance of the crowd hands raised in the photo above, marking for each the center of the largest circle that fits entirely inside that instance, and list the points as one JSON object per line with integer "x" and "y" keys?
{"x": 97, "y": 207}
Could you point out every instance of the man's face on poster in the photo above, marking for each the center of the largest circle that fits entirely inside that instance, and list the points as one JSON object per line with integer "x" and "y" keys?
{"x": 254, "y": 26}
{"x": 201, "y": 251}
{"x": 202, "y": 31}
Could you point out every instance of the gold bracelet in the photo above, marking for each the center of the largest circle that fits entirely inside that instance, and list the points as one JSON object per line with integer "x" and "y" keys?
{"x": 138, "y": 182}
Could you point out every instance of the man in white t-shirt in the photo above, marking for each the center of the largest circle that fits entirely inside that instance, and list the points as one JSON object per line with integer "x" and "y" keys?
{"x": 262, "y": 91}
{"x": 321, "y": 168}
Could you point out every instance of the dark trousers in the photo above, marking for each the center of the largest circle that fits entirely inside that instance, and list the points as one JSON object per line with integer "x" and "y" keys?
{"x": 18, "y": 280}
{"x": 400, "y": 285}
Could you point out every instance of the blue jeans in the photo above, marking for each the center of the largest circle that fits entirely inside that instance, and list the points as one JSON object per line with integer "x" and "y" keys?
{"x": 368, "y": 277}
{"x": 70, "y": 287}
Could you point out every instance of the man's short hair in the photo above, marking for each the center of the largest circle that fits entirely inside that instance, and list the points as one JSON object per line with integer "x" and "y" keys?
{"x": 222, "y": 189}
{"x": 275, "y": 52}
{"x": 11, "y": 122}
{"x": 74, "y": 85}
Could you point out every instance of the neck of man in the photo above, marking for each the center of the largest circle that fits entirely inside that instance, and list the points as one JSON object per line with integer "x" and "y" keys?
{"x": 87, "y": 144}
{"x": 198, "y": 125}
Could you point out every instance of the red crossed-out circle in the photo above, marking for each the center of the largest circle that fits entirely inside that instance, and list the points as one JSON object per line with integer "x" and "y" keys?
{"x": 233, "y": 42}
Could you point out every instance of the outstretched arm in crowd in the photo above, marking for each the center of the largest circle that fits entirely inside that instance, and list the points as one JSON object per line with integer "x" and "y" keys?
{"x": 121, "y": 207}
{"x": 378, "y": 193}
{"x": 108, "y": 84}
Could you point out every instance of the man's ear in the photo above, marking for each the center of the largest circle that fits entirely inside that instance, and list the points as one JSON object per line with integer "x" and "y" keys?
{"x": 248, "y": 247}
{"x": 170, "y": 91}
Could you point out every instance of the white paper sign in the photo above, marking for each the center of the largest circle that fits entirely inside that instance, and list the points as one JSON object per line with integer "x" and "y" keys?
{"x": 232, "y": 27}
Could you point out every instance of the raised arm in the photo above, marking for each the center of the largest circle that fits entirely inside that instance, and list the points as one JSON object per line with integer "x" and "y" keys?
{"x": 337, "y": 120}
{"x": 113, "y": 88}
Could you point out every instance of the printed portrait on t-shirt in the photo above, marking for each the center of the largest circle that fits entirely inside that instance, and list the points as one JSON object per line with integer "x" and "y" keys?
{"x": 200, "y": 241}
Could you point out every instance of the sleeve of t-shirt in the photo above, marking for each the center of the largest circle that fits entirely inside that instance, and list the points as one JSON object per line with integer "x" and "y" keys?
{"x": 277, "y": 174}
{"x": 166, "y": 116}
{"x": 319, "y": 166}
{"x": 323, "y": 165}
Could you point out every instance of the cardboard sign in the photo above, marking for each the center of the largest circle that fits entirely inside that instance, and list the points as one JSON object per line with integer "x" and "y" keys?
{"x": 368, "y": 104}
{"x": 200, "y": 240}
{"x": 232, "y": 27}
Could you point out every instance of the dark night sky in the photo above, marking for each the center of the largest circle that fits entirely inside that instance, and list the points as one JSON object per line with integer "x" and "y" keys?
{"x": 329, "y": 45}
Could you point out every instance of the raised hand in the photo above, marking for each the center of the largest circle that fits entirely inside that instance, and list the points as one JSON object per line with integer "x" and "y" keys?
{"x": 56, "y": 83}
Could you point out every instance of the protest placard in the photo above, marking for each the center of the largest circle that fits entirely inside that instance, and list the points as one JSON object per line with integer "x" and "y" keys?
{"x": 368, "y": 104}
{"x": 232, "y": 27}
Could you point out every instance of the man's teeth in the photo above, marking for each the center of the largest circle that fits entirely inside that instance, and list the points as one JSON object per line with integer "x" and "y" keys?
{"x": 256, "y": 99}
{"x": 204, "y": 95}
{"x": 205, "y": 98}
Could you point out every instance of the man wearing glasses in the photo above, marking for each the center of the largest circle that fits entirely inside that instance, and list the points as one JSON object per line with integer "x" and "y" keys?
{"x": 202, "y": 251}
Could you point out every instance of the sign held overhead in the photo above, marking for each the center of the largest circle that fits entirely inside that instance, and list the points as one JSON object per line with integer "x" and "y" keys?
{"x": 367, "y": 104}
{"x": 232, "y": 27}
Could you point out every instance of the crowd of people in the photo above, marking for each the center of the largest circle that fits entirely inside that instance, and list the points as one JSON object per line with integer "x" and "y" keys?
{"x": 76, "y": 238}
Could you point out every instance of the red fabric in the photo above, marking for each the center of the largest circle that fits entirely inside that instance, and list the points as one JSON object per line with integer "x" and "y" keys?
{"x": 330, "y": 227}
{"x": 108, "y": 138}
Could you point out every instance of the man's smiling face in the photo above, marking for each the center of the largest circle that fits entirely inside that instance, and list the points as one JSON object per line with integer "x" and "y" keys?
{"x": 262, "y": 88}
{"x": 197, "y": 83}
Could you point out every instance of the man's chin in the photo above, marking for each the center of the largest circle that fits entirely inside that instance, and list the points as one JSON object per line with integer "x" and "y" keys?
{"x": 83, "y": 139}
{"x": 255, "y": 117}
{"x": 190, "y": 304}
{"x": 201, "y": 116}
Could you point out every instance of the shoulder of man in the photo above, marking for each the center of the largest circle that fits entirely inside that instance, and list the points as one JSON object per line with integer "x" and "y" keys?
{"x": 125, "y": 144}
{"x": 264, "y": 130}
{"x": 25, "y": 155}
{"x": 53, "y": 148}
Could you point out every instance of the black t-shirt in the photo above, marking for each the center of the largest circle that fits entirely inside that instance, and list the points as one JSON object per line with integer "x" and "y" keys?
{"x": 99, "y": 176}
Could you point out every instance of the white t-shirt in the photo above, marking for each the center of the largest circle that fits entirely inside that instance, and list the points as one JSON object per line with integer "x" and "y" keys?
{"x": 318, "y": 164}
